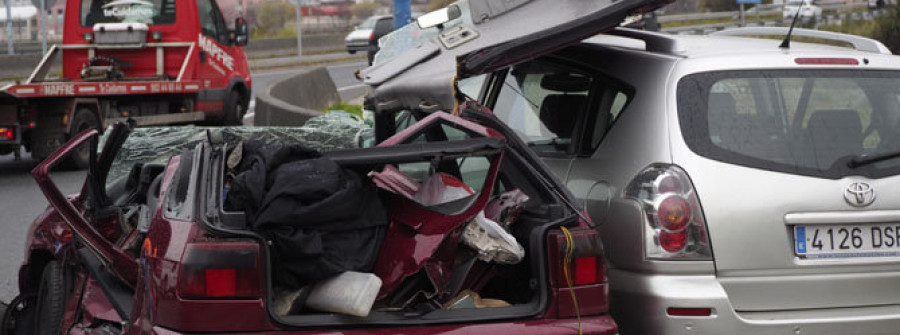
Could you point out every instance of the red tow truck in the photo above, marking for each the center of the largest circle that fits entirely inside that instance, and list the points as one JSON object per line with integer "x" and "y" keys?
{"x": 157, "y": 62}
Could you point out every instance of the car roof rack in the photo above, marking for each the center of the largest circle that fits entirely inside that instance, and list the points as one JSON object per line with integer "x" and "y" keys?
{"x": 655, "y": 42}
{"x": 859, "y": 43}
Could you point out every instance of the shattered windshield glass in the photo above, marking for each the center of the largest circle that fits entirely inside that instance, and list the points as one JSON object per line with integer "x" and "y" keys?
{"x": 411, "y": 36}
{"x": 332, "y": 131}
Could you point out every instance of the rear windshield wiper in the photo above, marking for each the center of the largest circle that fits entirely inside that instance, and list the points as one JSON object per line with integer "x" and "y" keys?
{"x": 869, "y": 159}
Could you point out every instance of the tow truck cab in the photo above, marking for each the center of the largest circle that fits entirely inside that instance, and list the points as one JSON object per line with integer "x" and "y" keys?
{"x": 159, "y": 62}
{"x": 215, "y": 57}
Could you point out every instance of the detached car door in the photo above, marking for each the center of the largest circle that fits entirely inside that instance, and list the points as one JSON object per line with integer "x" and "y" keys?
{"x": 87, "y": 214}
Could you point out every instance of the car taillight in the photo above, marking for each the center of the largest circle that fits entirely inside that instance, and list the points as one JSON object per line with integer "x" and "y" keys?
{"x": 372, "y": 36}
{"x": 676, "y": 225}
{"x": 8, "y": 134}
{"x": 220, "y": 270}
{"x": 826, "y": 61}
{"x": 586, "y": 272}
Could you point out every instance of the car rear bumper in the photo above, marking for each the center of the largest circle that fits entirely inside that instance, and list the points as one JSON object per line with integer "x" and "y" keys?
{"x": 599, "y": 325}
{"x": 361, "y": 45}
{"x": 639, "y": 302}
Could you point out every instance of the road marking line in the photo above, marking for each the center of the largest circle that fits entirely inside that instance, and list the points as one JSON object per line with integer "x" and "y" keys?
{"x": 352, "y": 87}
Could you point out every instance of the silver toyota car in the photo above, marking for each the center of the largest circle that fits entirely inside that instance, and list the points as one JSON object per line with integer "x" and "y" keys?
{"x": 740, "y": 187}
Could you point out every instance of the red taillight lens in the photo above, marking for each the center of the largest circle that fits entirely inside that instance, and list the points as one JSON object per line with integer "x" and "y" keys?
{"x": 372, "y": 36}
{"x": 8, "y": 134}
{"x": 221, "y": 282}
{"x": 226, "y": 270}
{"x": 586, "y": 270}
{"x": 826, "y": 61}
{"x": 669, "y": 184}
{"x": 676, "y": 228}
{"x": 672, "y": 242}
{"x": 682, "y": 311}
{"x": 674, "y": 213}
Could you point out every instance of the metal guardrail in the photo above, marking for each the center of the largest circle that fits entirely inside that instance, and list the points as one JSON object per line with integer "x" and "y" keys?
{"x": 825, "y": 19}
{"x": 763, "y": 10}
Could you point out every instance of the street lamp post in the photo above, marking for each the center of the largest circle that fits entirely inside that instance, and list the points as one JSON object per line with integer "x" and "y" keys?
{"x": 9, "y": 28}
{"x": 297, "y": 4}
{"x": 43, "y": 27}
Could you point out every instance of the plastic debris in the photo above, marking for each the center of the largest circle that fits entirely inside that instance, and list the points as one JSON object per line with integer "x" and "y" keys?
{"x": 441, "y": 188}
{"x": 351, "y": 293}
{"x": 469, "y": 299}
{"x": 491, "y": 241}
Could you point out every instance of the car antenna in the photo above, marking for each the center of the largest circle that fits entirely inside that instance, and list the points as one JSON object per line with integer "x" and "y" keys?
{"x": 786, "y": 44}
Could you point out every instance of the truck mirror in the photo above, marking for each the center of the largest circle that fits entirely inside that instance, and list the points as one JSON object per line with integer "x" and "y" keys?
{"x": 241, "y": 34}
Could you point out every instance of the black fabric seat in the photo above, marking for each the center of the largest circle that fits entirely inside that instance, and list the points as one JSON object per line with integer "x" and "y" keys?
{"x": 559, "y": 113}
{"x": 833, "y": 134}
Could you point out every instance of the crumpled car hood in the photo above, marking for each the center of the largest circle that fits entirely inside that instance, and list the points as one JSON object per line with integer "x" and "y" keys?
{"x": 417, "y": 68}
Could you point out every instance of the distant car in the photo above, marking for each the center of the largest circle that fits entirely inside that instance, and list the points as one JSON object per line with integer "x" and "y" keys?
{"x": 878, "y": 4}
{"x": 358, "y": 39}
{"x": 807, "y": 10}
{"x": 383, "y": 26}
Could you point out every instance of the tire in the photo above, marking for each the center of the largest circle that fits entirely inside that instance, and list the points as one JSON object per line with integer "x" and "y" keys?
{"x": 234, "y": 109}
{"x": 51, "y": 299}
{"x": 18, "y": 319}
{"x": 80, "y": 158}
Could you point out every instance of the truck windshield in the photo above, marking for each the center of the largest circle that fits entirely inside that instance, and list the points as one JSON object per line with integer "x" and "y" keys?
{"x": 127, "y": 11}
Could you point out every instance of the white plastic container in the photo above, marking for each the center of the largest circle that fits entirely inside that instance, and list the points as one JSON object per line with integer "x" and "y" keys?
{"x": 351, "y": 293}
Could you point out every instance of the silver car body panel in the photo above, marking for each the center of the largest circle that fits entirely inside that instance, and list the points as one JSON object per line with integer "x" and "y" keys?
{"x": 755, "y": 284}
{"x": 494, "y": 25}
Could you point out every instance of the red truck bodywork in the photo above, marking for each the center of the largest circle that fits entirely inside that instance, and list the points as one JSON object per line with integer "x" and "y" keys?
{"x": 180, "y": 72}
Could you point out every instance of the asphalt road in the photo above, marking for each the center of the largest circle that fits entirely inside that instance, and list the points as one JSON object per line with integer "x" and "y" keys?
{"x": 349, "y": 87}
{"x": 21, "y": 200}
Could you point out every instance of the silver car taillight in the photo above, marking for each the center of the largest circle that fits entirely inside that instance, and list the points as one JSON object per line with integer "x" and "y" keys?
{"x": 676, "y": 228}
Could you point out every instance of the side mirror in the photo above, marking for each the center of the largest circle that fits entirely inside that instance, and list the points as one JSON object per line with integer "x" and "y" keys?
{"x": 241, "y": 33}
{"x": 439, "y": 17}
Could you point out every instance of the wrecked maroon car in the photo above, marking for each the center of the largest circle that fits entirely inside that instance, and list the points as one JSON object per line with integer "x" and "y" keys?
{"x": 449, "y": 224}
{"x": 186, "y": 245}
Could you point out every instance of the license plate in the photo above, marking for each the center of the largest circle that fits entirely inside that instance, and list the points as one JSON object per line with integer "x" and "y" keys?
{"x": 839, "y": 241}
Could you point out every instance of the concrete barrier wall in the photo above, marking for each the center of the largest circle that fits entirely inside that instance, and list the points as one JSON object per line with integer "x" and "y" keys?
{"x": 317, "y": 43}
{"x": 18, "y": 66}
{"x": 295, "y": 100}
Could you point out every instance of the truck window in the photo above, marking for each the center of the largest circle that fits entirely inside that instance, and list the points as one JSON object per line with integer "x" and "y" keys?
{"x": 128, "y": 11}
{"x": 212, "y": 23}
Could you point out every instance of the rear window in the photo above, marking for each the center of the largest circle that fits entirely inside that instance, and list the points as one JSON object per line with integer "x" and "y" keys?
{"x": 127, "y": 11}
{"x": 368, "y": 23}
{"x": 800, "y": 121}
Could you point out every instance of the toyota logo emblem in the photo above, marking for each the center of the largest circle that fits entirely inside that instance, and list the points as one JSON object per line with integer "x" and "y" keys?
{"x": 859, "y": 194}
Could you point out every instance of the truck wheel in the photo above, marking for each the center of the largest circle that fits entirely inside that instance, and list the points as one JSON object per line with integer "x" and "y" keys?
{"x": 84, "y": 119}
{"x": 51, "y": 299}
{"x": 234, "y": 109}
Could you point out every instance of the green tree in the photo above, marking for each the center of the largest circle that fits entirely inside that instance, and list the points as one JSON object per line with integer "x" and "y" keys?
{"x": 365, "y": 9}
{"x": 717, "y": 5}
{"x": 888, "y": 29}
{"x": 885, "y": 28}
{"x": 438, "y": 4}
{"x": 272, "y": 16}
